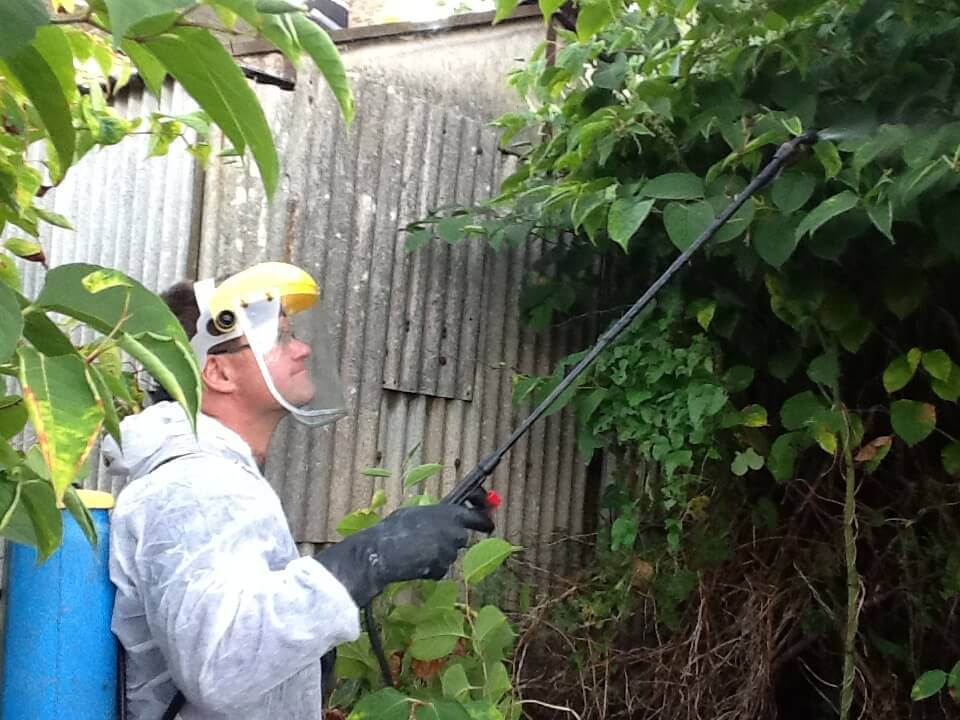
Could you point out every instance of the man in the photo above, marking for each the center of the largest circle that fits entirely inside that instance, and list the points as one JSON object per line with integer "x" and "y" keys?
{"x": 212, "y": 598}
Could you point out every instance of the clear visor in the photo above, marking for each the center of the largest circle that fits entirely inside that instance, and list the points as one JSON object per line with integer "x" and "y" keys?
{"x": 296, "y": 359}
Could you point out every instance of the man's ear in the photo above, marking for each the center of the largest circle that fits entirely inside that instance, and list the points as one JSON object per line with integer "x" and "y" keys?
{"x": 219, "y": 374}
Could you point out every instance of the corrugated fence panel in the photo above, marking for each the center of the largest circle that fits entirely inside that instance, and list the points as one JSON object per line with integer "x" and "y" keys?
{"x": 428, "y": 342}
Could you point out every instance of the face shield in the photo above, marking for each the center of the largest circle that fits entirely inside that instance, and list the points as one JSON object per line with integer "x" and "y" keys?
{"x": 271, "y": 311}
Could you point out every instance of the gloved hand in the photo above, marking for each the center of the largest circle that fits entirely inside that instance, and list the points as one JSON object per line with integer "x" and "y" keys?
{"x": 410, "y": 544}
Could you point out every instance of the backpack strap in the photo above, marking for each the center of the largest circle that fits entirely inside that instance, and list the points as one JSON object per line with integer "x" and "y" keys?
{"x": 175, "y": 706}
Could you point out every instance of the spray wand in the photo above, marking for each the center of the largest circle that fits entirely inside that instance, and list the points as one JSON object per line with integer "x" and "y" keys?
{"x": 473, "y": 481}
{"x": 476, "y": 477}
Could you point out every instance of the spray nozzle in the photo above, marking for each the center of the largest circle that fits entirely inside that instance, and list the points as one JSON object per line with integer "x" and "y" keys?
{"x": 810, "y": 137}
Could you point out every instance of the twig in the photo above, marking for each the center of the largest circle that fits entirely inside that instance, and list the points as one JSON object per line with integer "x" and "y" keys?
{"x": 552, "y": 707}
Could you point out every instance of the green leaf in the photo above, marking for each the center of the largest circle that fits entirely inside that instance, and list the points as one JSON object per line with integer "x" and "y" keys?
{"x": 9, "y": 275}
{"x": 549, "y": 7}
{"x": 901, "y": 371}
{"x": 420, "y": 473}
{"x": 746, "y": 461}
{"x": 686, "y": 222}
{"x": 11, "y": 322}
{"x": 705, "y": 313}
{"x": 441, "y": 710}
{"x": 674, "y": 186}
{"x": 828, "y": 209}
{"x": 376, "y": 472}
{"x": 791, "y": 191}
{"x": 828, "y": 156}
{"x": 584, "y": 206}
{"x": 774, "y": 239}
{"x": 445, "y": 594}
{"x": 35, "y": 519}
{"x": 53, "y": 218}
{"x": 505, "y": 9}
{"x": 321, "y": 49}
{"x": 81, "y": 515}
{"x": 951, "y": 458}
{"x": 938, "y": 364}
{"x": 800, "y": 410}
{"x": 357, "y": 520}
{"x": 437, "y": 634}
{"x": 451, "y": 229}
{"x": 881, "y": 215}
{"x": 378, "y": 500}
{"x": 625, "y": 217}
{"x": 492, "y": 634}
{"x": 151, "y": 70}
{"x": 52, "y": 43}
{"x": 485, "y": 557}
{"x": 355, "y": 660}
{"x": 386, "y": 704}
{"x": 928, "y": 684}
{"x": 593, "y": 18}
{"x": 753, "y": 416}
{"x": 953, "y": 681}
{"x": 149, "y": 331}
{"x": 208, "y": 72}
{"x": 948, "y": 389}
{"x": 738, "y": 378}
{"x": 783, "y": 455}
{"x": 455, "y": 684}
{"x": 13, "y": 415}
{"x": 42, "y": 87}
{"x": 44, "y": 334}
{"x": 497, "y": 681}
{"x": 126, "y": 13}
{"x": 111, "y": 420}
{"x": 825, "y": 369}
{"x": 826, "y": 439}
{"x": 705, "y": 400}
{"x": 21, "y": 19}
{"x": 64, "y": 411}
{"x": 24, "y": 249}
{"x": 912, "y": 420}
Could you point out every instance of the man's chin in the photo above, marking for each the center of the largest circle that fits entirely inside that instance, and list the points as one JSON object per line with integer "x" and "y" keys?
{"x": 304, "y": 398}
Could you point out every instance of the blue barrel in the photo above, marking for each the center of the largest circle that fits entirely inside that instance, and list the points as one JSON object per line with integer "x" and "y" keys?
{"x": 60, "y": 658}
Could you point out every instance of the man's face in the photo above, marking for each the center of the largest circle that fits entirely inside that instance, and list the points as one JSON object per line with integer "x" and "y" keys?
{"x": 289, "y": 366}
{"x": 288, "y": 363}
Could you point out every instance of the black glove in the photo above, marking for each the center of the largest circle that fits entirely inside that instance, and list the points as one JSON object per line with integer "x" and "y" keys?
{"x": 410, "y": 544}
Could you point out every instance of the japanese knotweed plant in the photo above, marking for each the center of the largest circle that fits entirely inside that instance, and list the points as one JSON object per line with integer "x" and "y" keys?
{"x": 448, "y": 659}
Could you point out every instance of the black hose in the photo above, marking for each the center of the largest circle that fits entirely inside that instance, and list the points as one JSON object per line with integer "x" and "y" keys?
{"x": 376, "y": 645}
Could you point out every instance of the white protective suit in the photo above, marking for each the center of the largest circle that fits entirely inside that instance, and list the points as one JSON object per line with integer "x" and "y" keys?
{"x": 212, "y": 595}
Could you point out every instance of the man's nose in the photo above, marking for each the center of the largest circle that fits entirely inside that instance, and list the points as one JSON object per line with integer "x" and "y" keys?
{"x": 300, "y": 349}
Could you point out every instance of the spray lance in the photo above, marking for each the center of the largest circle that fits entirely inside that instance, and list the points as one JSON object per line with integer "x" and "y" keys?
{"x": 474, "y": 480}
{"x": 476, "y": 477}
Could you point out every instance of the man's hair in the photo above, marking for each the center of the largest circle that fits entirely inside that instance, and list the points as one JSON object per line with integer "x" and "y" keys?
{"x": 182, "y": 302}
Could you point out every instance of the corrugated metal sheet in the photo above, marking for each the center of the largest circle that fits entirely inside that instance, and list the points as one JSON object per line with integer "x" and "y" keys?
{"x": 428, "y": 343}
{"x": 134, "y": 213}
